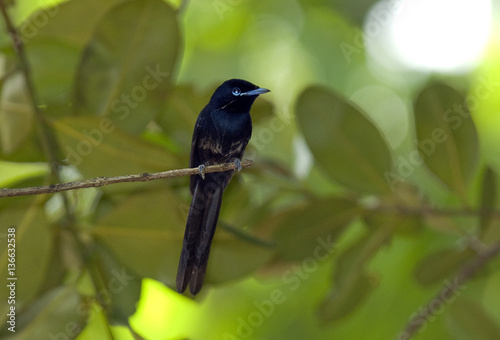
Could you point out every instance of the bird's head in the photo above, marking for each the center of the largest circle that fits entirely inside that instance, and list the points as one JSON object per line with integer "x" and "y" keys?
{"x": 236, "y": 95}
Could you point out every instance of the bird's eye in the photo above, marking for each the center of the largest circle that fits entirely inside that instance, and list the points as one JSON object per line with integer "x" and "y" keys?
{"x": 236, "y": 91}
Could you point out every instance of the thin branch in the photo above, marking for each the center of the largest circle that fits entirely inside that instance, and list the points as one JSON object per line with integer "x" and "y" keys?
{"x": 450, "y": 290}
{"x": 102, "y": 181}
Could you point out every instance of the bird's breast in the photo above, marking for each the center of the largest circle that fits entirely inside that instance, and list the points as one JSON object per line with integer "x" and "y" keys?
{"x": 227, "y": 135}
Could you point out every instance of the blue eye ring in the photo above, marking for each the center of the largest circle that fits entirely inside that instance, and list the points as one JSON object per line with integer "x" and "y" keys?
{"x": 236, "y": 91}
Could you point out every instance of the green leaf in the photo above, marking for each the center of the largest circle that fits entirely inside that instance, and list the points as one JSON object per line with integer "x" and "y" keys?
{"x": 179, "y": 116}
{"x": 53, "y": 64}
{"x": 14, "y": 173}
{"x": 57, "y": 313}
{"x": 232, "y": 258}
{"x": 145, "y": 233}
{"x": 16, "y": 115}
{"x": 33, "y": 240}
{"x": 447, "y": 140}
{"x": 406, "y": 199}
{"x": 99, "y": 148}
{"x": 440, "y": 265}
{"x": 300, "y": 231}
{"x": 122, "y": 285}
{"x": 468, "y": 320}
{"x": 348, "y": 146}
{"x": 55, "y": 38}
{"x": 352, "y": 284}
{"x": 127, "y": 67}
{"x": 70, "y": 21}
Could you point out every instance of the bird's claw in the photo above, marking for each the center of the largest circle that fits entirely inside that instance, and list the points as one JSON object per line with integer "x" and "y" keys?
{"x": 201, "y": 170}
{"x": 237, "y": 163}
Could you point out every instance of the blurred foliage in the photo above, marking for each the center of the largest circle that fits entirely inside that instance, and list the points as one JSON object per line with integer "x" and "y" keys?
{"x": 365, "y": 200}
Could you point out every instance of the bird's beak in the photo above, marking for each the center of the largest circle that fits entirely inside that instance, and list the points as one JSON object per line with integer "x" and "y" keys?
{"x": 255, "y": 92}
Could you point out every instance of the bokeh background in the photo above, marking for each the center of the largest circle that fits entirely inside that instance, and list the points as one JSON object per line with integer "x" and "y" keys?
{"x": 371, "y": 211}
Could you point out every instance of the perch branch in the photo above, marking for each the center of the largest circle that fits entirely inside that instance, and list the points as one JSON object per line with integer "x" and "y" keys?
{"x": 102, "y": 181}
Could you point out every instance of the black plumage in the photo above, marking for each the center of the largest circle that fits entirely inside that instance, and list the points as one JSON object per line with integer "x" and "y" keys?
{"x": 221, "y": 135}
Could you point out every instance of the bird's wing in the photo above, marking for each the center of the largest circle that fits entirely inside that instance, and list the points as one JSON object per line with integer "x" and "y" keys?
{"x": 194, "y": 159}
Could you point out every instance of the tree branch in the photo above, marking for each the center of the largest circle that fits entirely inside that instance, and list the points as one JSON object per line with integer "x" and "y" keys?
{"x": 102, "y": 181}
{"x": 467, "y": 272}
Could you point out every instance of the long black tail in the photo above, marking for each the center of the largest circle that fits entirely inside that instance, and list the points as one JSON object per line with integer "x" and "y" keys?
{"x": 200, "y": 229}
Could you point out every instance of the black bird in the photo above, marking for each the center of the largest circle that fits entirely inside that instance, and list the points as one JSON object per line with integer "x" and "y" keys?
{"x": 220, "y": 135}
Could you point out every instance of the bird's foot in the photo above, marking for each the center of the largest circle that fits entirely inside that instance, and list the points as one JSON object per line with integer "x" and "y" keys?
{"x": 201, "y": 170}
{"x": 237, "y": 163}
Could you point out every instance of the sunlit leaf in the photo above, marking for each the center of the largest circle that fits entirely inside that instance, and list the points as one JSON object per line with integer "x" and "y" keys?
{"x": 344, "y": 142}
{"x": 127, "y": 66}
{"x": 485, "y": 101}
{"x": 447, "y": 140}
{"x": 440, "y": 265}
{"x": 14, "y": 173}
{"x": 469, "y": 320}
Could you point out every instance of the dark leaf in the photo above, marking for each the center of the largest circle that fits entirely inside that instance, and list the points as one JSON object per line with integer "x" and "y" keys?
{"x": 71, "y": 21}
{"x": 17, "y": 132}
{"x": 53, "y": 65}
{"x": 303, "y": 229}
{"x": 488, "y": 198}
{"x": 57, "y": 313}
{"x": 127, "y": 66}
{"x": 346, "y": 144}
{"x": 144, "y": 233}
{"x": 122, "y": 285}
{"x": 99, "y": 148}
{"x": 440, "y": 265}
{"x": 33, "y": 240}
{"x": 447, "y": 138}
{"x": 469, "y": 320}
{"x": 352, "y": 284}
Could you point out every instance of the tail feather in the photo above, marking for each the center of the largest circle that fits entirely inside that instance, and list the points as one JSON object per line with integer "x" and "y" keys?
{"x": 191, "y": 236}
{"x": 200, "y": 229}
{"x": 210, "y": 217}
